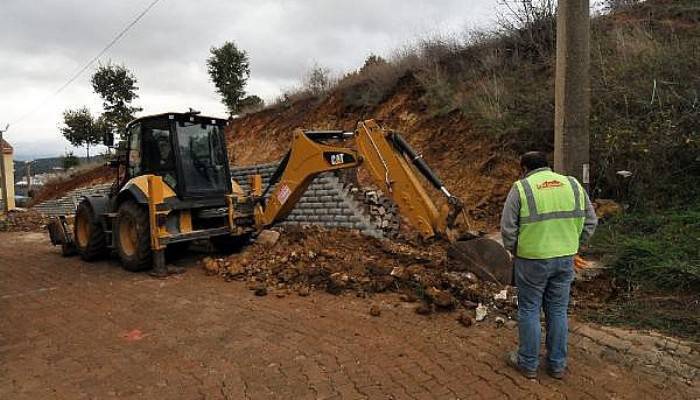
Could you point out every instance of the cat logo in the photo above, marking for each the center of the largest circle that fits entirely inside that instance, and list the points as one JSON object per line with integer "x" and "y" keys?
{"x": 337, "y": 159}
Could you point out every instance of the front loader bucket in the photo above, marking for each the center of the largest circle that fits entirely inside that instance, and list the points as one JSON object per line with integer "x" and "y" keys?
{"x": 60, "y": 235}
{"x": 485, "y": 258}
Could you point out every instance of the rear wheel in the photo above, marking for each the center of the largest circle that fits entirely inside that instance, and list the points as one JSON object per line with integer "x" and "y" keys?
{"x": 132, "y": 237}
{"x": 88, "y": 233}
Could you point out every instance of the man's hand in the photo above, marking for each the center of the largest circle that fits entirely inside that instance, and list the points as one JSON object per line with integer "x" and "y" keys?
{"x": 580, "y": 263}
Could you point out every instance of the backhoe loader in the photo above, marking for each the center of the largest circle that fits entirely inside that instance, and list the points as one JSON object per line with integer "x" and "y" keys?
{"x": 174, "y": 186}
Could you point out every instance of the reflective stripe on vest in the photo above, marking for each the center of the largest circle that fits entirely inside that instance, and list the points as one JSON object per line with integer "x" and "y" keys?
{"x": 534, "y": 216}
{"x": 550, "y": 220}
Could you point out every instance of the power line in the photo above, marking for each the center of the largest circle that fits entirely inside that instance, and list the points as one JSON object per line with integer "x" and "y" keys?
{"x": 76, "y": 75}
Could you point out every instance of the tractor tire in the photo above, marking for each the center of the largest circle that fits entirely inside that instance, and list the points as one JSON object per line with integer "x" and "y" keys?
{"x": 68, "y": 250}
{"x": 132, "y": 237}
{"x": 89, "y": 236}
{"x": 227, "y": 244}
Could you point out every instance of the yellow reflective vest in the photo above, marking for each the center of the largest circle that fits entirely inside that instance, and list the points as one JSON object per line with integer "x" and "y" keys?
{"x": 552, "y": 213}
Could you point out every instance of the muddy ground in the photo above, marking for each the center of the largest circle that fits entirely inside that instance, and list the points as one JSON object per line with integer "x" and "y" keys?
{"x": 76, "y": 330}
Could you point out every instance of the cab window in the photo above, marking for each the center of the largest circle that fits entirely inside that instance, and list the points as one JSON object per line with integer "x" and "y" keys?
{"x": 135, "y": 150}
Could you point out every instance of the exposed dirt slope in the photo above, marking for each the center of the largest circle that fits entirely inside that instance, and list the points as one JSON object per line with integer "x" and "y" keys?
{"x": 58, "y": 188}
{"x": 474, "y": 167}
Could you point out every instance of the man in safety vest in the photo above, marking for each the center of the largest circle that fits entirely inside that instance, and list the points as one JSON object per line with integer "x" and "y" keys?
{"x": 546, "y": 218}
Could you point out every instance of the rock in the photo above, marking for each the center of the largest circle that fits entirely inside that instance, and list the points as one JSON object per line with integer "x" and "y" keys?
{"x": 440, "y": 298}
{"x": 469, "y": 305}
{"x": 415, "y": 269}
{"x": 261, "y": 291}
{"x": 481, "y": 312}
{"x": 399, "y": 273}
{"x": 510, "y": 324}
{"x": 380, "y": 270}
{"x": 471, "y": 277}
{"x": 500, "y": 321}
{"x": 382, "y": 283}
{"x": 338, "y": 281}
{"x": 234, "y": 269}
{"x": 210, "y": 266}
{"x": 502, "y": 295}
{"x": 424, "y": 309}
{"x": 465, "y": 319}
{"x": 287, "y": 274}
{"x": 605, "y": 208}
{"x": 268, "y": 238}
{"x": 375, "y": 311}
{"x": 280, "y": 294}
{"x": 408, "y": 298}
{"x": 303, "y": 291}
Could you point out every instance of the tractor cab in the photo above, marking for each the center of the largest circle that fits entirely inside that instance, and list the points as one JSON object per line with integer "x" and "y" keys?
{"x": 187, "y": 150}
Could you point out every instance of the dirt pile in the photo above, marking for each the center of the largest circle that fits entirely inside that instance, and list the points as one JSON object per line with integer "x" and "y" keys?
{"x": 22, "y": 221}
{"x": 473, "y": 166}
{"x": 307, "y": 259}
{"x": 84, "y": 178}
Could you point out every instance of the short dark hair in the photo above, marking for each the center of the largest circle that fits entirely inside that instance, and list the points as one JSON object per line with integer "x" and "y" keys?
{"x": 533, "y": 160}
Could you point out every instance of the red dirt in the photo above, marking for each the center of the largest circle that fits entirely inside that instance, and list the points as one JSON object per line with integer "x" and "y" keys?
{"x": 59, "y": 188}
{"x": 474, "y": 167}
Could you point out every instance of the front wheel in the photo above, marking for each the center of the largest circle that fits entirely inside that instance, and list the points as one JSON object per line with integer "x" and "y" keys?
{"x": 132, "y": 237}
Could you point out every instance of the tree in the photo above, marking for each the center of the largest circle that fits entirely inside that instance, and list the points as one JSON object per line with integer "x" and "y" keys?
{"x": 371, "y": 61}
{"x": 251, "y": 104}
{"x": 69, "y": 160}
{"x": 81, "y": 128}
{"x": 229, "y": 70}
{"x": 117, "y": 87}
{"x": 318, "y": 80}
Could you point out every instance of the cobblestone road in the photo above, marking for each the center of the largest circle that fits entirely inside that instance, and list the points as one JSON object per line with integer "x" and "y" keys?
{"x": 72, "y": 330}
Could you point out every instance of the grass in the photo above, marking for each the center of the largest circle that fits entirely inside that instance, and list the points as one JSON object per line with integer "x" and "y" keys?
{"x": 657, "y": 250}
{"x": 654, "y": 260}
{"x": 675, "y": 316}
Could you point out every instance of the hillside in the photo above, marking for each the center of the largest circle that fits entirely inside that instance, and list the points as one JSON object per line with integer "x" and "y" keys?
{"x": 46, "y": 165}
{"x": 472, "y": 105}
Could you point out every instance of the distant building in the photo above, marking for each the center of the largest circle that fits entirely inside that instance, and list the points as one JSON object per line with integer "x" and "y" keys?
{"x": 7, "y": 156}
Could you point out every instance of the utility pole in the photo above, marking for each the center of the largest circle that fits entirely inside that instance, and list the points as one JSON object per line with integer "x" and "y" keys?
{"x": 3, "y": 177}
{"x": 572, "y": 91}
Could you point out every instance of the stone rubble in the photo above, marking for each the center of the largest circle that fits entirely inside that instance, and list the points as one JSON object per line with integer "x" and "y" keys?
{"x": 302, "y": 260}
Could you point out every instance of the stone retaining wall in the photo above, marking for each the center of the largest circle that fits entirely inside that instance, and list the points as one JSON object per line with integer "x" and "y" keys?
{"x": 326, "y": 202}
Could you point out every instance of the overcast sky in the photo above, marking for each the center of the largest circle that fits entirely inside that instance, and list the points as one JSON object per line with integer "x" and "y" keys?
{"x": 44, "y": 42}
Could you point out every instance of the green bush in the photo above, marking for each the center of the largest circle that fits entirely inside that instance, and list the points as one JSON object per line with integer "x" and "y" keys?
{"x": 658, "y": 250}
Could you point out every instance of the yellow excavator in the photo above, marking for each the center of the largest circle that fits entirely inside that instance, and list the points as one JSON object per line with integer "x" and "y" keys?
{"x": 174, "y": 186}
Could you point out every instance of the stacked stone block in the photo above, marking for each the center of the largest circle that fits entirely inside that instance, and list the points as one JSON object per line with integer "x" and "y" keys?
{"x": 325, "y": 203}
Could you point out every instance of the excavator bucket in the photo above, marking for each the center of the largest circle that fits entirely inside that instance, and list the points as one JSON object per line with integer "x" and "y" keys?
{"x": 485, "y": 258}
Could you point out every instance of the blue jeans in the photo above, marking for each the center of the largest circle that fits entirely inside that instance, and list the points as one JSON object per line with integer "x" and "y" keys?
{"x": 543, "y": 284}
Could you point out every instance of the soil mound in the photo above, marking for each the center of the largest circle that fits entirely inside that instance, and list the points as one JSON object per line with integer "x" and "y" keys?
{"x": 307, "y": 259}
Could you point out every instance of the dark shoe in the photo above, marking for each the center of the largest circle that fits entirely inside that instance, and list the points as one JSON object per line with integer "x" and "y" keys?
{"x": 512, "y": 360}
{"x": 556, "y": 374}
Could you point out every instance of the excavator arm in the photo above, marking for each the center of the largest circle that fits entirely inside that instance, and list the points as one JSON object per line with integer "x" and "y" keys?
{"x": 389, "y": 160}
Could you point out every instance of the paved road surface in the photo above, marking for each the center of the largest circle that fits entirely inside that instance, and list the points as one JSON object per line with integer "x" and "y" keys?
{"x": 69, "y": 331}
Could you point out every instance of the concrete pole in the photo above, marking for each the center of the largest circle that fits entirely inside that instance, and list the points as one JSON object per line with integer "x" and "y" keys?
{"x": 3, "y": 178}
{"x": 572, "y": 90}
